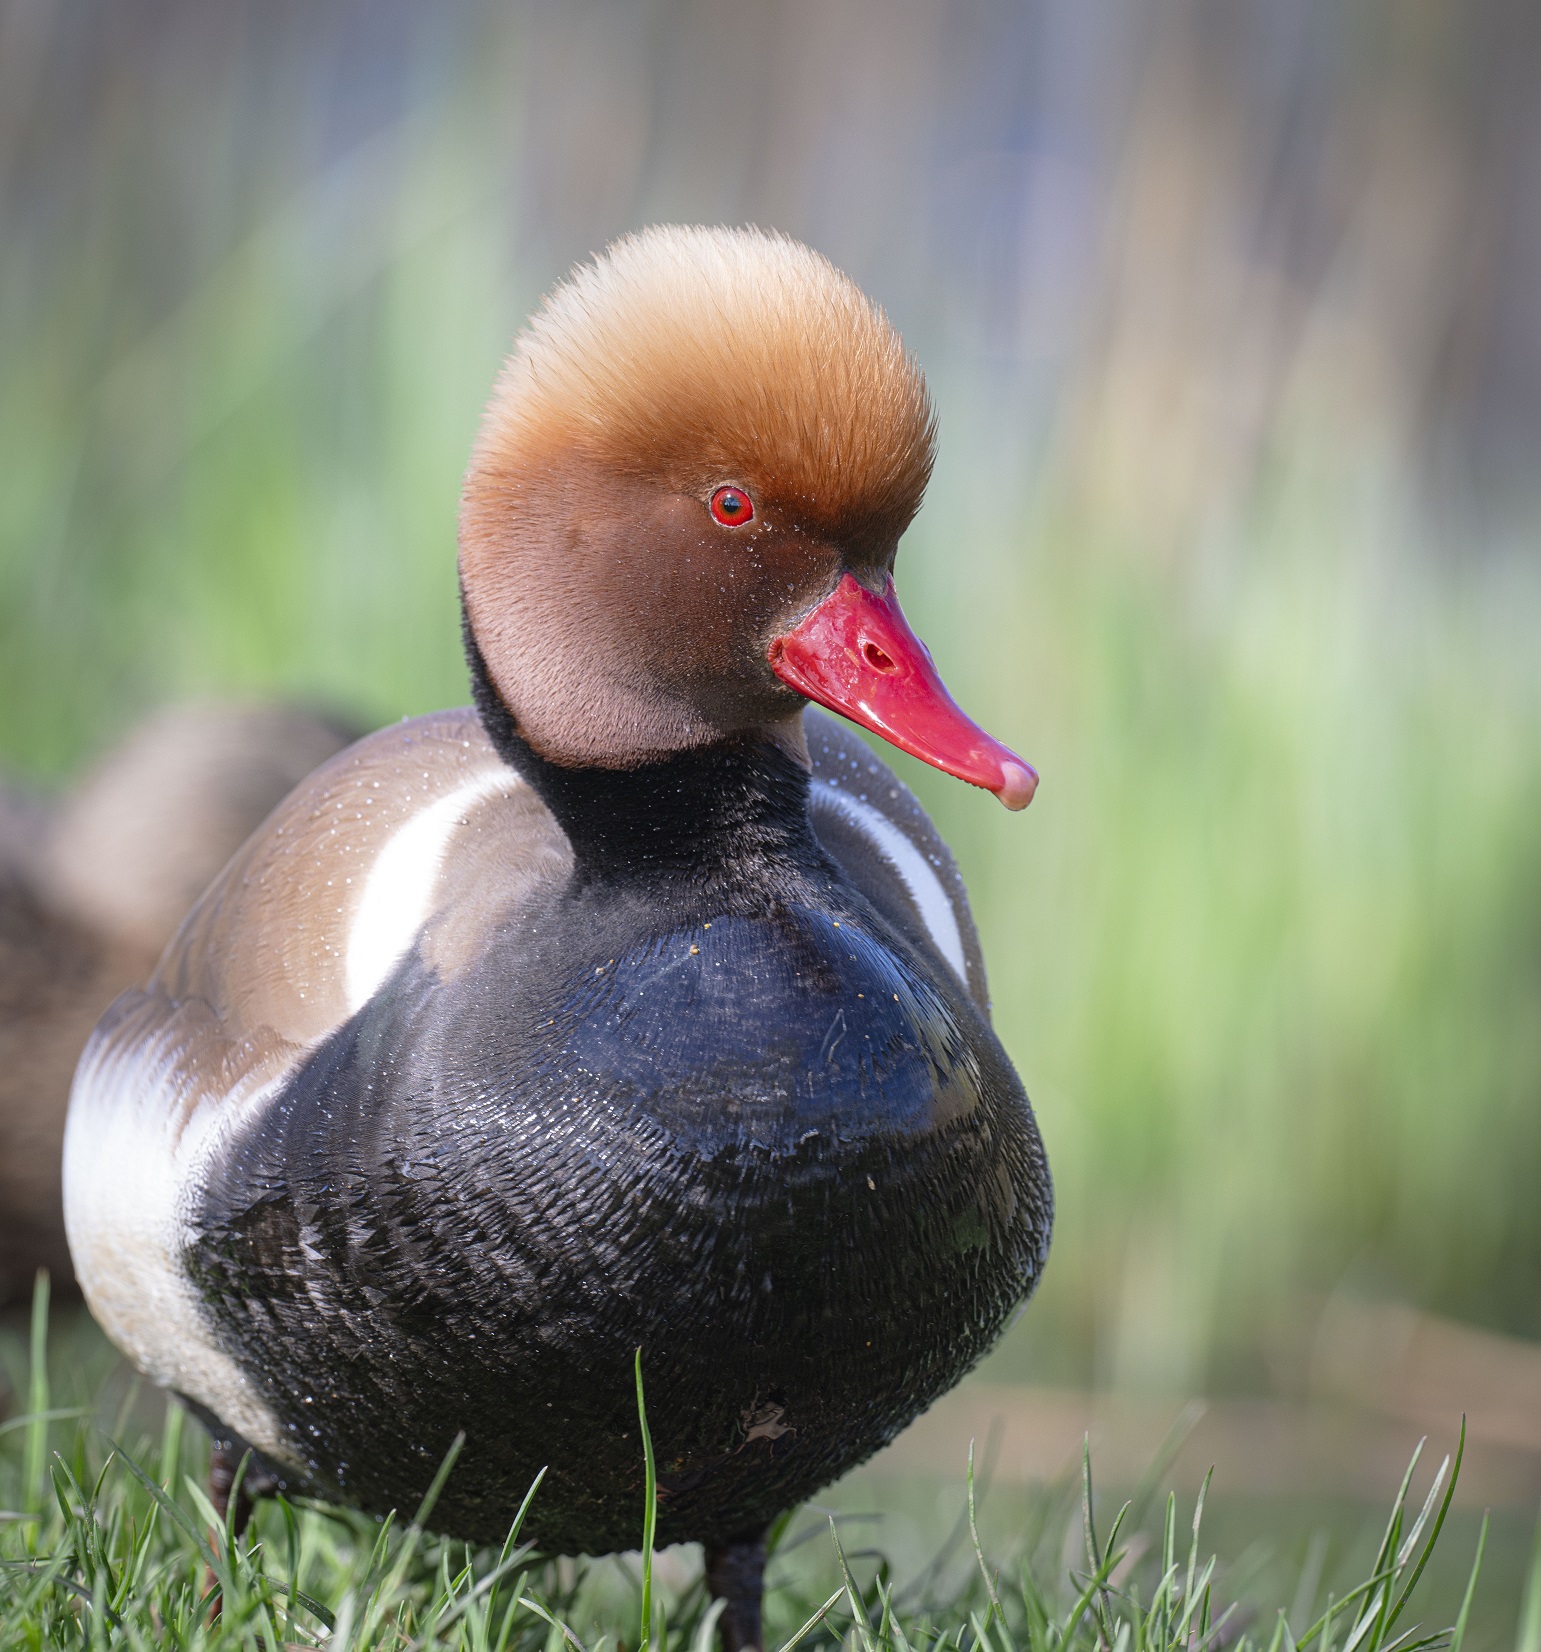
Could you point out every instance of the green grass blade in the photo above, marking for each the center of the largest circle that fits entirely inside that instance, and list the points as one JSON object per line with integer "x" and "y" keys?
{"x": 1335, "y": 1607}
{"x": 705, "y": 1637}
{"x": 801, "y": 1634}
{"x": 175, "y": 1512}
{"x": 483, "y": 1588}
{"x": 1094, "y": 1586}
{"x": 59, "y": 1414}
{"x": 1415, "y": 1531}
{"x": 560, "y": 1631}
{"x": 979, "y": 1554}
{"x": 859, "y": 1617}
{"x": 510, "y": 1542}
{"x": 1190, "y": 1589}
{"x": 1458, "y": 1633}
{"x": 300, "y": 1598}
{"x": 1149, "y": 1483}
{"x": 1435, "y": 1530}
{"x": 1529, "y": 1636}
{"x": 1389, "y": 1542}
{"x": 649, "y": 1515}
{"x": 436, "y": 1485}
{"x": 171, "y": 1443}
{"x": 33, "y": 1490}
{"x": 891, "y": 1632}
{"x": 1093, "y": 1555}
{"x": 1310, "y": 1583}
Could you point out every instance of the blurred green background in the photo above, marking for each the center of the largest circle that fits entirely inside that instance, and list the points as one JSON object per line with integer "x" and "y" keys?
{"x": 1232, "y": 313}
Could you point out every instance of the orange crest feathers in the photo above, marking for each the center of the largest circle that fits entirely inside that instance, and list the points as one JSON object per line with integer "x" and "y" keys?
{"x": 704, "y": 355}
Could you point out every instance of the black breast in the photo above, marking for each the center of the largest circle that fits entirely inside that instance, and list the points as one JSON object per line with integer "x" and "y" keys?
{"x": 767, "y": 1149}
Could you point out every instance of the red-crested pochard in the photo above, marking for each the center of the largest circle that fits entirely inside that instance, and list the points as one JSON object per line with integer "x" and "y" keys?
{"x": 634, "y": 1008}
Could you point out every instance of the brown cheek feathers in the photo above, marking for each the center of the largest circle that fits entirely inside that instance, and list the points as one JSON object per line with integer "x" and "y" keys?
{"x": 615, "y": 636}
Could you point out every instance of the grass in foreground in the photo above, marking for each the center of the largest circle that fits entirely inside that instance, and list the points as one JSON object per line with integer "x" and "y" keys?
{"x": 108, "y": 1540}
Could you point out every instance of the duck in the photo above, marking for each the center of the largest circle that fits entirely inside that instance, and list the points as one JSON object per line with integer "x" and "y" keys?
{"x": 93, "y": 885}
{"x": 636, "y": 1007}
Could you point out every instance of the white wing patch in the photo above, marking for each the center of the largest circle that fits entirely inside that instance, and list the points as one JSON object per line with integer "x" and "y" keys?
{"x": 913, "y": 870}
{"x": 399, "y": 889}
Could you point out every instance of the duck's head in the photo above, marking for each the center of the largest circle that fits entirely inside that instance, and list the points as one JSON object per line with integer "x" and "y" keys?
{"x": 681, "y": 514}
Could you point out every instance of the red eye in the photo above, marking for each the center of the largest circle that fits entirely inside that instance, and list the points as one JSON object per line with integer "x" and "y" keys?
{"x": 731, "y": 507}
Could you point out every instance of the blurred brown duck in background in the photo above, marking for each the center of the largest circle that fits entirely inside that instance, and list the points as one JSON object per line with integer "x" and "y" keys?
{"x": 91, "y": 890}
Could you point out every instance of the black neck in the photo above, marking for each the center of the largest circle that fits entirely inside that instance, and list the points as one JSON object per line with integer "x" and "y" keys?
{"x": 735, "y": 812}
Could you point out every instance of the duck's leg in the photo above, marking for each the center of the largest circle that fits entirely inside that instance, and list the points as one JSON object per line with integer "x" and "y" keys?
{"x": 735, "y": 1573}
{"x": 224, "y": 1460}
{"x": 225, "y": 1454}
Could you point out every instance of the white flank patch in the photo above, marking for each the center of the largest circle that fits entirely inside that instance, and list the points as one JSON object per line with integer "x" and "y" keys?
{"x": 130, "y": 1177}
{"x": 913, "y": 870}
{"x": 397, "y": 893}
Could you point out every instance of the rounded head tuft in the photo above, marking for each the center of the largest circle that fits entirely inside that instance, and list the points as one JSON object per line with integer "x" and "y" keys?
{"x": 698, "y": 356}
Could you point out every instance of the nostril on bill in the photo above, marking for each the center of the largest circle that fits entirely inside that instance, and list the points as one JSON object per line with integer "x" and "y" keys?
{"x": 876, "y": 658}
